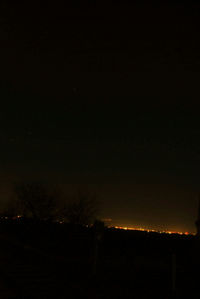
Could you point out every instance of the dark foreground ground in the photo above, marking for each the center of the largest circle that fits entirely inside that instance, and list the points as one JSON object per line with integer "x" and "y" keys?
{"x": 58, "y": 261}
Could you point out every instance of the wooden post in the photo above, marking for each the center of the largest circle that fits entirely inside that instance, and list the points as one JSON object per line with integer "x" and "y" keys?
{"x": 173, "y": 273}
{"x": 98, "y": 236}
{"x": 96, "y": 253}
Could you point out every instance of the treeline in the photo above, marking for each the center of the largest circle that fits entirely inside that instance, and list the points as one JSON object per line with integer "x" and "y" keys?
{"x": 37, "y": 201}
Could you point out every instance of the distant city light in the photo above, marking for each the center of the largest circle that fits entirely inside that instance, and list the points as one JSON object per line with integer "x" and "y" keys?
{"x": 119, "y": 227}
{"x": 152, "y": 230}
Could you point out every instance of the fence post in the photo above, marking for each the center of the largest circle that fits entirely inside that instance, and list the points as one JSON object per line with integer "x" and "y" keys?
{"x": 98, "y": 236}
{"x": 174, "y": 274}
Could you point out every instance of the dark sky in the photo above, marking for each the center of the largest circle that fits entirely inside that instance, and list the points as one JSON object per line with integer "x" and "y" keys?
{"x": 105, "y": 94}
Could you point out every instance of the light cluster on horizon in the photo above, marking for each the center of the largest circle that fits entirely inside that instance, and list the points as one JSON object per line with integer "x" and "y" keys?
{"x": 120, "y": 227}
{"x": 152, "y": 230}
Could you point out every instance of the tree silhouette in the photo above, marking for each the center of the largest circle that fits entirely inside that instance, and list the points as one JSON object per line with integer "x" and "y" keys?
{"x": 35, "y": 201}
{"x": 81, "y": 209}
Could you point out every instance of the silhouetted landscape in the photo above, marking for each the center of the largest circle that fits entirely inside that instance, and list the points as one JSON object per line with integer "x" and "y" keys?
{"x": 42, "y": 259}
{"x": 55, "y": 244}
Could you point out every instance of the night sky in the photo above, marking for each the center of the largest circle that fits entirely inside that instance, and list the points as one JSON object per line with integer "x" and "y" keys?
{"x": 104, "y": 94}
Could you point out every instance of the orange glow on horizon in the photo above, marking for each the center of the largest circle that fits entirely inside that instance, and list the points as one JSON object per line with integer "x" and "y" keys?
{"x": 152, "y": 230}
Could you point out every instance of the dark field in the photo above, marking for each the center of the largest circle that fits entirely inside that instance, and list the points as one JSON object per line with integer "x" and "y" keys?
{"x": 58, "y": 261}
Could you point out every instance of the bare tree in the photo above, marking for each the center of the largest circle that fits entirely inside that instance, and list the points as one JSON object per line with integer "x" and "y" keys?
{"x": 82, "y": 208}
{"x": 35, "y": 201}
